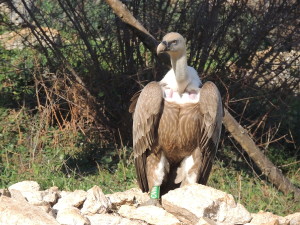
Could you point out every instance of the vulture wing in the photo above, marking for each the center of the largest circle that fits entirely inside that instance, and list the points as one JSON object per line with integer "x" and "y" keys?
{"x": 146, "y": 107}
{"x": 211, "y": 111}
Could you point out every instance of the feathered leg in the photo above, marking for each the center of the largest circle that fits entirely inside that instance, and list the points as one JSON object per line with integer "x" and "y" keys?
{"x": 157, "y": 169}
{"x": 194, "y": 169}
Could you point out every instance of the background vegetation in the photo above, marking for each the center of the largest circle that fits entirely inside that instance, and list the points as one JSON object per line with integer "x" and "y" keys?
{"x": 69, "y": 68}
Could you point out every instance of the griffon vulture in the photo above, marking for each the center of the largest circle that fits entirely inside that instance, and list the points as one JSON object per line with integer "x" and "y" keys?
{"x": 176, "y": 125}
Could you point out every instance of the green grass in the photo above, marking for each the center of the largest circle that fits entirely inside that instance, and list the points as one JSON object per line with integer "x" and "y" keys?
{"x": 252, "y": 191}
{"x": 30, "y": 150}
{"x": 119, "y": 180}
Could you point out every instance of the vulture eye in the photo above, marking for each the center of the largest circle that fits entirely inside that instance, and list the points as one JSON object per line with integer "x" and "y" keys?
{"x": 174, "y": 42}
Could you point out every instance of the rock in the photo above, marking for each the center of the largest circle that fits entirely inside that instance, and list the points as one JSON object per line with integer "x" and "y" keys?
{"x": 17, "y": 195}
{"x": 132, "y": 196}
{"x": 192, "y": 202}
{"x": 50, "y": 195}
{"x": 25, "y": 186}
{"x": 4, "y": 192}
{"x": 150, "y": 214}
{"x": 33, "y": 197}
{"x": 29, "y": 190}
{"x": 47, "y": 208}
{"x": 96, "y": 202}
{"x": 205, "y": 221}
{"x": 267, "y": 218}
{"x": 14, "y": 17}
{"x": 101, "y": 219}
{"x": 71, "y": 216}
{"x": 273, "y": 222}
{"x": 70, "y": 199}
{"x": 294, "y": 219}
{"x": 63, "y": 194}
{"x": 13, "y": 212}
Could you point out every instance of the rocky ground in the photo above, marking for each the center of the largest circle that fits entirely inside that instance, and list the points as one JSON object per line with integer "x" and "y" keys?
{"x": 24, "y": 203}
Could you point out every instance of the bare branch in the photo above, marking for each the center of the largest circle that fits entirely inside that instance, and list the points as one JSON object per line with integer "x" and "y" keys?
{"x": 267, "y": 167}
{"x": 125, "y": 15}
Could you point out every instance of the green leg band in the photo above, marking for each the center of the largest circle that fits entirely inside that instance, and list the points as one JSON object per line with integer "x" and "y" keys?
{"x": 155, "y": 192}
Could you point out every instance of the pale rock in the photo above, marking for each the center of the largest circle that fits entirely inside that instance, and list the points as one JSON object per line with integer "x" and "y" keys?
{"x": 150, "y": 214}
{"x": 70, "y": 199}
{"x": 192, "y": 202}
{"x": 272, "y": 222}
{"x": 51, "y": 195}
{"x": 100, "y": 219}
{"x": 64, "y": 193}
{"x": 53, "y": 189}
{"x": 126, "y": 221}
{"x": 294, "y": 219}
{"x": 33, "y": 197}
{"x": 267, "y": 218}
{"x": 205, "y": 221}
{"x": 38, "y": 198}
{"x": 71, "y": 216}
{"x": 17, "y": 195}
{"x": 47, "y": 208}
{"x": 29, "y": 190}
{"x": 25, "y": 186}
{"x": 13, "y": 212}
{"x": 109, "y": 219}
{"x": 133, "y": 196}
{"x": 96, "y": 202}
{"x": 21, "y": 7}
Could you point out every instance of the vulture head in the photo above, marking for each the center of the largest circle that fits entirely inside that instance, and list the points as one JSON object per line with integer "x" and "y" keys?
{"x": 173, "y": 43}
{"x": 181, "y": 78}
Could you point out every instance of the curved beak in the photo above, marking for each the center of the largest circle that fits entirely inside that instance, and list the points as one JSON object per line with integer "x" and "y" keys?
{"x": 162, "y": 47}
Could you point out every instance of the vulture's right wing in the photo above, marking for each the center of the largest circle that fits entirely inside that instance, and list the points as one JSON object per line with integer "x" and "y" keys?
{"x": 146, "y": 110}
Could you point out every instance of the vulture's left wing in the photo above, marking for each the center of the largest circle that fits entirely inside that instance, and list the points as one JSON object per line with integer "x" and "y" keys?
{"x": 211, "y": 113}
{"x": 146, "y": 107}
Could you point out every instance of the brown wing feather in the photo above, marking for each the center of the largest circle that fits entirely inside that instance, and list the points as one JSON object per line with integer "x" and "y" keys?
{"x": 211, "y": 111}
{"x": 133, "y": 100}
{"x": 146, "y": 108}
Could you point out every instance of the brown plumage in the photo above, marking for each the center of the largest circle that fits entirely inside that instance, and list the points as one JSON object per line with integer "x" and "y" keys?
{"x": 176, "y": 125}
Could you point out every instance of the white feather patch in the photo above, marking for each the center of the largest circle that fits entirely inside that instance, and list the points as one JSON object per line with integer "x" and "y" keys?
{"x": 192, "y": 178}
{"x": 183, "y": 171}
{"x": 170, "y": 87}
{"x": 188, "y": 163}
{"x": 160, "y": 170}
{"x": 185, "y": 98}
{"x": 170, "y": 82}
